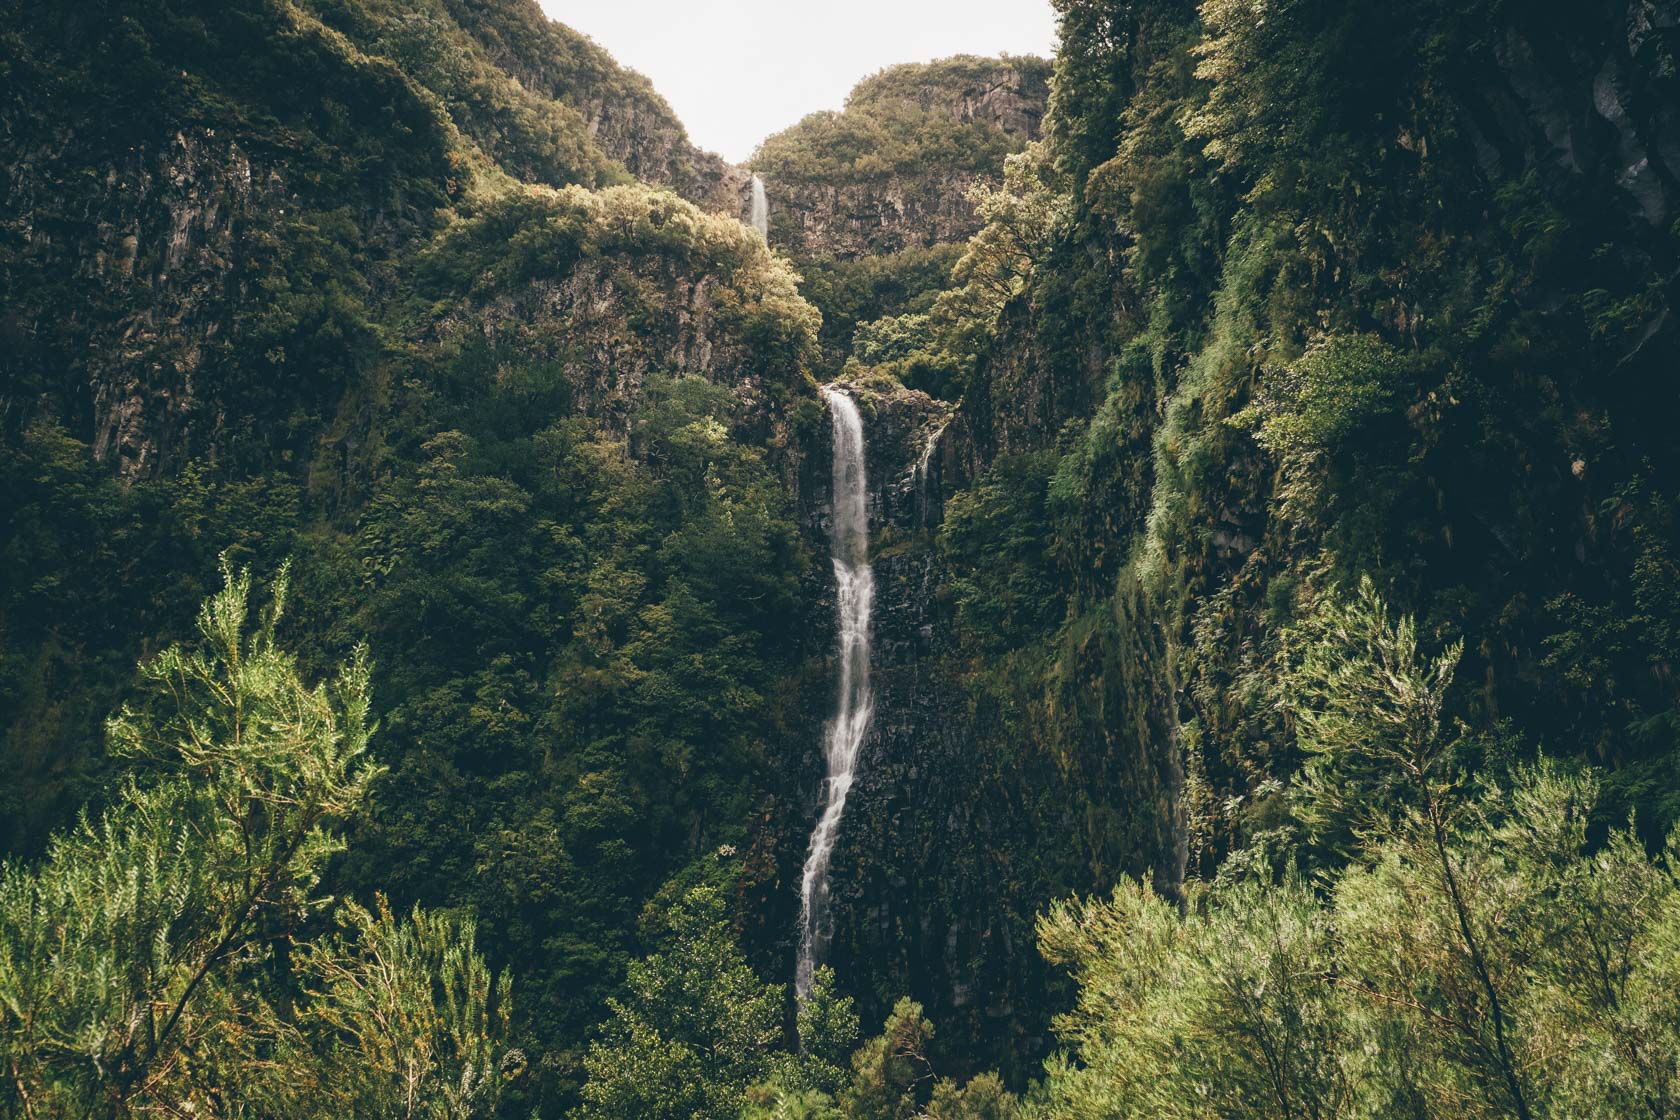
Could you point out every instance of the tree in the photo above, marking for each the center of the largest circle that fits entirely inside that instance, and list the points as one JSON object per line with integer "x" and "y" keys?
{"x": 981, "y": 1098}
{"x": 891, "y": 1073}
{"x": 1226, "y": 1011}
{"x": 1475, "y": 953}
{"x": 828, "y": 1029}
{"x": 1369, "y": 710}
{"x": 694, "y": 1029}
{"x": 804, "y": 1085}
{"x": 404, "y": 1019}
{"x": 1363, "y": 1000}
{"x": 154, "y": 962}
{"x": 1368, "y": 713}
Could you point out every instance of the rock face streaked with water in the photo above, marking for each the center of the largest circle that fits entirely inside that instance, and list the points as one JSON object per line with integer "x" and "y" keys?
{"x": 854, "y": 704}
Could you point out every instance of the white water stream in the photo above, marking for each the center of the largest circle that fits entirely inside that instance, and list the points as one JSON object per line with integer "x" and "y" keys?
{"x": 843, "y": 737}
{"x": 760, "y": 208}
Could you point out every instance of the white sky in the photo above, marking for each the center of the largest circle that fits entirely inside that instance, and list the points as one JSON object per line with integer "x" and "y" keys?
{"x": 737, "y": 71}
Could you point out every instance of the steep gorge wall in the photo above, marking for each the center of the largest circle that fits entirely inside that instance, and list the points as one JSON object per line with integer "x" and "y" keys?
{"x": 1482, "y": 232}
{"x": 975, "y": 802}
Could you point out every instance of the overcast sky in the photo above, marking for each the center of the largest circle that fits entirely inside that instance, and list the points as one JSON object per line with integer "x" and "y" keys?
{"x": 738, "y": 70}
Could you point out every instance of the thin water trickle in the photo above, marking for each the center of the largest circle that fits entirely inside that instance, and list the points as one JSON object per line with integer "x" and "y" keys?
{"x": 844, "y": 735}
{"x": 760, "y": 208}
{"x": 919, "y": 476}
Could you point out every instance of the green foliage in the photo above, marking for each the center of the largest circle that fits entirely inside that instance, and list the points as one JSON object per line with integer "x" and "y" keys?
{"x": 852, "y": 294}
{"x": 1005, "y": 587}
{"x": 1322, "y": 400}
{"x": 410, "y": 1020}
{"x": 1223, "y": 1011}
{"x": 1511, "y": 969}
{"x": 581, "y": 570}
{"x": 805, "y": 1084}
{"x": 892, "y": 1074}
{"x": 528, "y": 135}
{"x": 828, "y": 1030}
{"x": 889, "y": 172}
{"x": 931, "y": 343}
{"x": 1471, "y": 951}
{"x": 698, "y": 1034}
{"x": 1282, "y": 330}
{"x": 586, "y": 645}
{"x": 632, "y": 123}
{"x": 1368, "y": 715}
{"x": 158, "y": 958}
{"x": 1288, "y": 292}
{"x": 92, "y": 571}
{"x": 693, "y": 1030}
{"x": 1020, "y": 222}
{"x": 981, "y": 1098}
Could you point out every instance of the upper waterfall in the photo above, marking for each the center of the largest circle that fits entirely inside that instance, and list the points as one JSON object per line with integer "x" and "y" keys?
{"x": 760, "y": 208}
{"x": 843, "y": 740}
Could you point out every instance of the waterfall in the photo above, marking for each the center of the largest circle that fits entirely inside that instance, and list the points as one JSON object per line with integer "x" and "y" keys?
{"x": 760, "y": 208}
{"x": 919, "y": 476}
{"x": 843, "y": 737}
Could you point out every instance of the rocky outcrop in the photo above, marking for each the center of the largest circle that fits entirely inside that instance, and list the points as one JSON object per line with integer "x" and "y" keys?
{"x": 865, "y": 219}
{"x": 170, "y": 284}
{"x": 203, "y": 279}
{"x": 627, "y": 118}
{"x": 596, "y": 292}
{"x": 1593, "y": 95}
{"x": 894, "y": 169}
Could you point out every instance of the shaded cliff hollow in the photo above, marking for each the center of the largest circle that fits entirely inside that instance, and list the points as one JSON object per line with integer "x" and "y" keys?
{"x": 892, "y": 170}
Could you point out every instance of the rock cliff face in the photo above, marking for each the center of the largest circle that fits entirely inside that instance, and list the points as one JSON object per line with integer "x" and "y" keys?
{"x": 893, "y": 170}
{"x": 206, "y": 280}
{"x": 166, "y": 248}
{"x": 594, "y": 291}
{"x": 1592, "y": 95}
{"x": 186, "y": 261}
{"x": 892, "y": 213}
{"x": 627, "y": 119}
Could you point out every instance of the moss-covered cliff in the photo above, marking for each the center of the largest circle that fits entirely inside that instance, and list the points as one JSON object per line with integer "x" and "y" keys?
{"x": 205, "y": 205}
{"x": 892, "y": 170}
{"x": 1416, "y": 331}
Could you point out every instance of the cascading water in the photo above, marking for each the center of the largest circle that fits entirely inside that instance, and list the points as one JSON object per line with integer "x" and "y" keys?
{"x": 843, "y": 738}
{"x": 919, "y": 477}
{"x": 760, "y": 208}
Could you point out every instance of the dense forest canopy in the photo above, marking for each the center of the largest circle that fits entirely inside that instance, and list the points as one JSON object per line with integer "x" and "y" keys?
{"x": 418, "y": 621}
